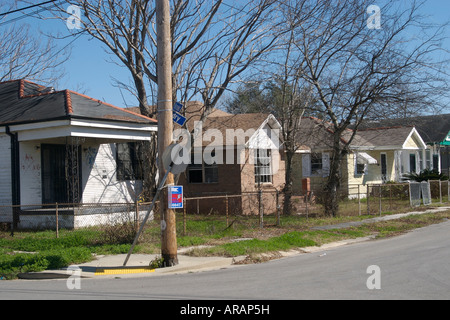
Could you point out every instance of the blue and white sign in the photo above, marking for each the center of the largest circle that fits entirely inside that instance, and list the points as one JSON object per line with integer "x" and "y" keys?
{"x": 178, "y": 118}
{"x": 175, "y": 197}
{"x": 177, "y": 107}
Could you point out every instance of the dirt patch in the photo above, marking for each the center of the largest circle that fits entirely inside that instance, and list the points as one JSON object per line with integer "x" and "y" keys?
{"x": 258, "y": 258}
{"x": 264, "y": 234}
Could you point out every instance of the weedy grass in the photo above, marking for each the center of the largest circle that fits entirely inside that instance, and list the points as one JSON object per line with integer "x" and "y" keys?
{"x": 40, "y": 250}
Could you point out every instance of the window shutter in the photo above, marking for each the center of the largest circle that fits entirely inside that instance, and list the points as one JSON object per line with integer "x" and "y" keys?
{"x": 325, "y": 164}
{"x": 306, "y": 165}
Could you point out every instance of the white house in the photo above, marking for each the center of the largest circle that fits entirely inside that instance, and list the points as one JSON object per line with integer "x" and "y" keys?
{"x": 65, "y": 147}
{"x": 376, "y": 155}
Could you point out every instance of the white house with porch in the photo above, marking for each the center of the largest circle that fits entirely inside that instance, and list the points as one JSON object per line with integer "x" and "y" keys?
{"x": 67, "y": 148}
{"x": 376, "y": 156}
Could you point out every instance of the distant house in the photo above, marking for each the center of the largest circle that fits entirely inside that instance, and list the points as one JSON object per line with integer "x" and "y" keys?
{"x": 435, "y": 131}
{"x": 65, "y": 147}
{"x": 376, "y": 155}
{"x": 238, "y": 154}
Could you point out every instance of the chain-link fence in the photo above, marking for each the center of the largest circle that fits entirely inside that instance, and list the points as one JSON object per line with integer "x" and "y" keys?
{"x": 119, "y": 222}
{"x": 58, "y": 216}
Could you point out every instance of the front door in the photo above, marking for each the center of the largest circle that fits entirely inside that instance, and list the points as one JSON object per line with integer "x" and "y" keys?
{"x": 54, "y": 183}
{"x": 383, "y": 167}
{"x": 57, "y": 174}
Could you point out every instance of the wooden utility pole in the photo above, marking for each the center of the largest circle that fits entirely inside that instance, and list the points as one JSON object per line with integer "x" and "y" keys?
{"x": 165, "y": 127}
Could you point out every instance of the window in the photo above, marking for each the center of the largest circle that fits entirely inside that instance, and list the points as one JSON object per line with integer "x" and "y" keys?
{"x": 202, "y": 173}
{"x": 129, "y": 161}
{"x": 412, "y": 162}
{"x": 316, "y": 163}
{"x": 360, "y": 168}
{"x": 428, "y": 159}
{"x": 436, "y": 162}
{"x": 263, "y": 170}
{"x": 383, "y": 167}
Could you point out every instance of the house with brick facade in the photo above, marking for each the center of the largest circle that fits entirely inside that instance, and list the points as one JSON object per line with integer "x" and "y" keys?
{"x": 235, "y": 155}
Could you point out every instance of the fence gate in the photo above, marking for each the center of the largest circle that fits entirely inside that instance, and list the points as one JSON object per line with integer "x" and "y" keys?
{"x": 415, "y": 194}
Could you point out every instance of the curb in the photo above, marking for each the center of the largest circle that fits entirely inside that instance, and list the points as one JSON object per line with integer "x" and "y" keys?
{"x": 111, "y": 266}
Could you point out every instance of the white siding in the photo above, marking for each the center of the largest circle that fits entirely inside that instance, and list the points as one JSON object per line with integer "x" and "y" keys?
{"x": 100, "y": 183}
{"x": 30, "y": 173}
{"x": 5, "y": 178}
{"x": 5, "y": 170}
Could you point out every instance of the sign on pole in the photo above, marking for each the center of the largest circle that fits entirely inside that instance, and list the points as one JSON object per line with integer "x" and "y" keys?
{"x": 175, "y": 197}
{"x": 177, "y": 107}
{"x": 178, "y": 118}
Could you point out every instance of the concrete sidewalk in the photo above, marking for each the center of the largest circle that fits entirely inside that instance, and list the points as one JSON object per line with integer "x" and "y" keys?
{"x": 384, "y": 218}
{"x": 111, "y": 266}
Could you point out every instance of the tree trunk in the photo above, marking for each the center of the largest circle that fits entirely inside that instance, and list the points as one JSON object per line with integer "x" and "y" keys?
{"x": 333, "y": 185}
{"x": 287, "y": 190}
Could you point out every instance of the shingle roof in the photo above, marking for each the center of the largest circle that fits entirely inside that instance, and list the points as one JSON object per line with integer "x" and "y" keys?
{"x": 381, "y": 137}
{"x": 432, "y": 129}
{"x": 23, "y": 101}
{"x": 316, "y": 133}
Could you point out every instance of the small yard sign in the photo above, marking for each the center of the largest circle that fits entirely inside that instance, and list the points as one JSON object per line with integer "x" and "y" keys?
{"x": 175, "y": 197}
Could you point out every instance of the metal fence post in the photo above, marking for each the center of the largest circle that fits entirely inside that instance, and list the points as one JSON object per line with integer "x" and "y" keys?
{"x": 359, "y": 201}
{"x": 278, "y": 208}
{"x": 184, "y": 217}
{"x": 136, "y": 212}
{"x": 57, "y": 222}
{"x": 226, "y": 208}
{"x": 380, "y": 200}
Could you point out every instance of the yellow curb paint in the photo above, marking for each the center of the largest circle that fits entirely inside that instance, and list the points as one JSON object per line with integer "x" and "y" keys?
{"x": 106, "y": 271}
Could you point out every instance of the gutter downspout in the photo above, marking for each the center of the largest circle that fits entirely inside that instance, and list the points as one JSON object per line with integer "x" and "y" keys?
{"x": 15, "y": 178}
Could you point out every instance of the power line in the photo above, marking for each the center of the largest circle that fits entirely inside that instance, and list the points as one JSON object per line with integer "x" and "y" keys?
{"x": 25, "y": 15}
{"x": 26, "y": 8}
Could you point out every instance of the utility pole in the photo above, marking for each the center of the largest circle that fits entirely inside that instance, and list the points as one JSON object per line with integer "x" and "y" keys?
{"x": 165, "y": 127}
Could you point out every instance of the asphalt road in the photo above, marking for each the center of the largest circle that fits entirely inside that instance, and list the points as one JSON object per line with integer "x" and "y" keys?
{"x": 411, "y": 266}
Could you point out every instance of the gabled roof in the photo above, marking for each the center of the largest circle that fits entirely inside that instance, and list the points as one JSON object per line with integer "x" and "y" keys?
{"x": 314, "y": 133}
{"x": 23, "y": 101}
{"x": 386, "y": 138}
{"x": 432, "y": 128}
{"x": 318, "y": 134}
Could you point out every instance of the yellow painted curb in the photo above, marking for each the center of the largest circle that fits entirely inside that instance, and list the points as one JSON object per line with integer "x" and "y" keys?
{"x": 109, "y": 271}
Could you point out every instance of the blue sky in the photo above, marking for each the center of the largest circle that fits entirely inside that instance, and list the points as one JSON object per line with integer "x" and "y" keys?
{"x": 89, "y": 71}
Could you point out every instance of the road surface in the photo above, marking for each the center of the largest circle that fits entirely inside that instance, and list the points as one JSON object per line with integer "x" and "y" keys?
{"x": 415, "y": 265}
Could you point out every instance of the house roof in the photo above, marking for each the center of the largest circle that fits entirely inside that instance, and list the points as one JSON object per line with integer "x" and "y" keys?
{"x": 218, "y": 121}
{"x": 382, "y": 137}
{"x": 432, "y": 129}
{"x": 318, "y": 134}
{"x": 22, "y": 101}
{"x": 314, "y": 133}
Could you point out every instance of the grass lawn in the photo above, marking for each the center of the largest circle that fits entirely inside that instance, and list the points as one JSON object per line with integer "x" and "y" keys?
{"x": 41, "y": 250}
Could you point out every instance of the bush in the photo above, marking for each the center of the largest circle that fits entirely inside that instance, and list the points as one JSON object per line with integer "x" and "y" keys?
{"x": 425, "y": 175}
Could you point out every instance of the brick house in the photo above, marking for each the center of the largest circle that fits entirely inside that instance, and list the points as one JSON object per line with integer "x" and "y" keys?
{"x": 237, "y": 155}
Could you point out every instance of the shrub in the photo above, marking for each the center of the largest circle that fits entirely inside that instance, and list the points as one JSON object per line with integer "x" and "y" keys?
{"x": 425, "y": 175}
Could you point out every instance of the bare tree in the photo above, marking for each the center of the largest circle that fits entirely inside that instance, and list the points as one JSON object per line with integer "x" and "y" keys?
{"x": 213, "y": 43}
{"x": 24, "y": 55}
{"x": 358, "y": 70}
